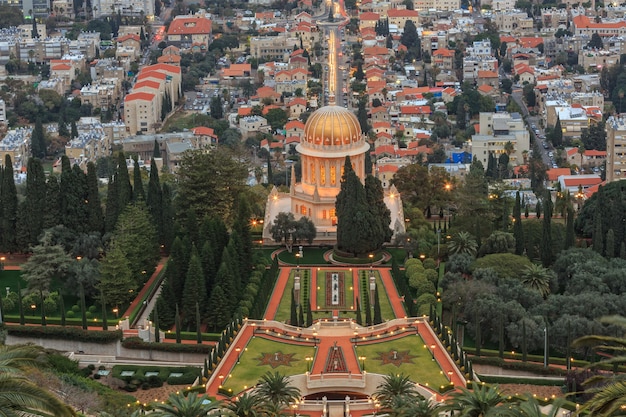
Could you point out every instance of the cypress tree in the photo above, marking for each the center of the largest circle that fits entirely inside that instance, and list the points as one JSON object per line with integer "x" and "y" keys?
{"x": 207, "y": 256}
{"x": 51, "y": 216}
{"x": 74, "y": 130}
{"x": 368, "y": 309}
{"x": 374, "y": 194}
{"x": 293, "y": 320}
{"x": 622, "y": 250}
{"x": 309, "y": 314}
{"x": 105, "y": 324}
{"x": 198, "y": 329}
{"x": 538, "y": 209}
{"x": 8, "y": 207}
{"x": 43, "y": 310}
{"x": 194, "y": 290}
{"x": 62, "y": 308}
{"x": 156, "y": 152}
{"x": 138, "y": 192}
{"x": 177, "y": 325}
{"x": 359, "y": 316}
{"x": 610, "y": 244}
{"x": 62, "y": 126}
{"x": 270, "y": 174}
{"x": 38, "y": 140}
{"x": 122, "y": 179}
{"x": 518, "y": 230}
{"x": 598, "y": 237}
{"x": 569, "y": 229}
{"x": 524, "y": 342}
{"x": 168, "y": 218}
{"x": 300, "y": 315}
{"x": 377, "y": 314}
{"x": 20, "y": 303}
{"x": 546, "y": 235}
{"x": 83, "y": 307}
{"x": 154, "y": 199}
{"x": 35, "y": 199}
{"x": 94, "y": 208}
{"x": 526, "y": 213}
{"x": 501, "y": 337}
{"x": 477, "y": 333}
{"x": 155, "y": 319}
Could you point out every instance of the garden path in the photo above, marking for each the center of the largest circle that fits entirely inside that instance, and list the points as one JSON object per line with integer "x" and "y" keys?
{"x": 392, "y": 293}
{"x": 277, "y": 293}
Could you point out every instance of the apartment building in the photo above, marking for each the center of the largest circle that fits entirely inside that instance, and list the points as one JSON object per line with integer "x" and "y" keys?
{"x": 16, "y": 144}
{"x": 513, "y": 21}
{"x": 495, "y": 131}
{"x": 273, "y": 48}
{"x": 102, "y": 8}
{"x": 615, "y": 148}
{"x": 191, "y": 31}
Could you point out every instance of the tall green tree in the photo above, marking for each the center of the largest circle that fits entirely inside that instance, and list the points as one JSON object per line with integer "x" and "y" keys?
{"x": 154, "y": 199}
{"x": 569, "y": 229}
{"x": 8, "y": 207}
{"x": 277, "y": 389}
{"x": 94, "y": 207}
{"x": 394, "y": 386}
{"x": 116, "y": 278}
{"x": 38, "y": 140}
{"x": 35, "y": 199}
{"x": 52, "y": 214}
{"x": 209, "y": 183}
{"x": 112, "y": 207}
{"x": 378, "y": 318}
{"x": 353, "y": 214}
{"x": 518, "y": 230}
{"x": 194, "y": 290}
{"x": 138, "y": 191}
{"x": 135, "y": 236}
{"x": 547, "y": 256}
{"x": 73, "y": 193}
{"x": 380, "y": 230}
{"x": 122, "y": 180}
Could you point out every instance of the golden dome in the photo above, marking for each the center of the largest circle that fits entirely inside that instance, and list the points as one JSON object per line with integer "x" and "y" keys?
{"x": 332, "y": 126}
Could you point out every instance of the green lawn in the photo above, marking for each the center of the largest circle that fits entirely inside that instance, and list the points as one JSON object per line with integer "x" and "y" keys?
{"x": 386, "y": 311}
{"x": 283, "y": 314}
{"x": 398, "y": 254}
{"x": 310, "y": 256}
{"x": 418, "y": 365}
{"x": 321, "y": 292}
{"x": 250, "y": 367}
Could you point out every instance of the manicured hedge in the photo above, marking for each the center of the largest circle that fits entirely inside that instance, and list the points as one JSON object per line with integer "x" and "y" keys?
{"x": 60, "y": 332}
{"x": 189, "y": 374}
{"x": 499, "y": 379}
{"x": 207, "y": 337}
{"x": 534, "y": 367}
{"x": 138, "y": 343}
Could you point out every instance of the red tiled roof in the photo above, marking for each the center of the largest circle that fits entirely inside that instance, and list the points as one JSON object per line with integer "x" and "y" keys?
{"x": 139, "y": 96}
{"x": 203, "y": 131}
{"x": 554, "y": 173}
{"x": 194, "y": 25}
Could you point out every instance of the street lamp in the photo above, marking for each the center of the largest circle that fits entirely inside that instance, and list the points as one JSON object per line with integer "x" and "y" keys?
{"x": 238, "y": 350}
{"x": 432, "y": 351}
{"x": 362, "y": 359}
{"x": 371, "y": 256}
{"x": 116, "y": 311}
{"x": 308, "y": 363}
{"x": 298, "y": 262}
{"x": 2, "y": 259}
{"x": 33, "y": 307}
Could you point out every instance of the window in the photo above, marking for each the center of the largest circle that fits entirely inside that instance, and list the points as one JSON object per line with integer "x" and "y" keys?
{"x": 303, "y": 210}
{"x": 333, "y": 175}
{"x": 324, "y": 214}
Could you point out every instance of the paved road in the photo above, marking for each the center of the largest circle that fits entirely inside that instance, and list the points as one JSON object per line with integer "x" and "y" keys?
{"x": 532, "y": 120}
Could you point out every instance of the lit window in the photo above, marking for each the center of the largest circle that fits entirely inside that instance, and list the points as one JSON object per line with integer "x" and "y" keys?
{"x": 303, "y": 210}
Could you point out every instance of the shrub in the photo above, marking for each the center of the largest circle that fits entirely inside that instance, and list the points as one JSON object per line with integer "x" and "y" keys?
{"x": 86, "y": 372}
{"x": 75, "y": 308}
{"x": 70, "y": 314}
{"x": 92, "y": 309}
{"x": 130, "y": 388}
{"x": 430, "y": 263}
{"x": 88, "y": 314}
{"x": 431, "y": 275}
{"x": 66, "y": 333}
{"x": 145, "y": 386}
{"x": 91, "y": 366}
{"x": 101, "y": 367}
{"x": 96, "y": 376}
{"x": 155, "y": 381}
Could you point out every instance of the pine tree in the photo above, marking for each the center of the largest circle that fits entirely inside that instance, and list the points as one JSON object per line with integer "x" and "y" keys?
{"x": 168, "y": 218}
{"x": 8, "y": 207}
{"x": 538, "y": 209}
{"x": 194, "y": 290}
{"x": 377, "y": 314}
{"x": 52, "y": 214}
{"x": 518, "y": 230}
{"x": 380, "y": 231}
{"x": 359, "y": 316}
{"x": 526, "y": 213}
{"x": 217, "y": 309}
{"x": 569, "y": 229}
{"x": 524, "y": 342}
{"x": 94, "y": 208}
{"x": 138, "y": 192}
{"x": 124, "y": 190}
{"x": 116, "y": 279}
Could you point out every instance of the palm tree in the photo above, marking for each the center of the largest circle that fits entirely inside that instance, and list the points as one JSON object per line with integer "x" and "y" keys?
{"x": 610, "y": 398}
{"x": 19, "y": 396}
{"x": 181, "y": 405}
{"x": 530, "y": 407}
{"x": 536, "y": 277}
{"x": 408, "y": 406}
{"x": 247, "y": 405}
{"x": 480, "y": 401}
{"x": 463, "y": 242}
{"x": 394, "y": 386}
{"x": 277, "y": 389}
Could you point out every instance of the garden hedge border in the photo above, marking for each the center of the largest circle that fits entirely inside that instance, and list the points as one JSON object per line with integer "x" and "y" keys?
{"x": 188, "y": 377}
{"x": 138, "y": 343}
{"x": 70, "y": 333}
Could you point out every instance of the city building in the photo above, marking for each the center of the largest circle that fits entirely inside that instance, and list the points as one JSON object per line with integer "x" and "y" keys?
{"x": 496, "y": 130}
{"x": 615, "y": 148}
{"x": 191, "y": 31}
{"x": 136, "y": 8}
